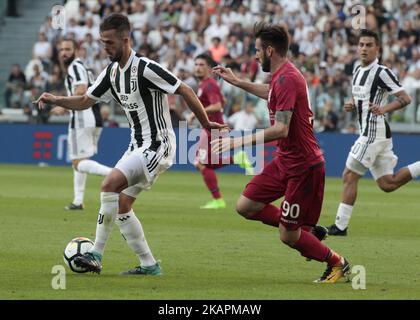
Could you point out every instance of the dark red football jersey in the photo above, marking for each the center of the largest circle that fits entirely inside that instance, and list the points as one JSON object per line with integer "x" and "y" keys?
{"x": 209, "y": 93}
{"x": 288, "y": 91}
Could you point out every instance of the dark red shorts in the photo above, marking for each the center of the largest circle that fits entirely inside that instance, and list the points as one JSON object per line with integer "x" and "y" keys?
{"x": 302, "y": 188}
{"x": 204, "y": 154}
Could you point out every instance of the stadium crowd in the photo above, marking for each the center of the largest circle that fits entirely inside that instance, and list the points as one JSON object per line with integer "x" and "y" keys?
{"x": 323, "y": 46}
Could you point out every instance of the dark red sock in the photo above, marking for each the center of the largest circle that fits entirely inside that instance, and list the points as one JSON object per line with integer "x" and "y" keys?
{"x": 269, "y": 215}
{"x": 333, "y": 259}
{"x": 310, "y": 247}
{"x": 210, "y": 180}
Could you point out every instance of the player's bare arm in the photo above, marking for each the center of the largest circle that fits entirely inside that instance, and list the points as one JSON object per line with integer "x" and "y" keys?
{"x": 257, "y": 89}
{"x": 349, "y": 105}
{"x": 279, "y": 130}
{"x": 79, "y": 90}
{"x": 216, "y": 107}
{"x": 197, "y": 108}
{"x": 401, "y": 101}
{"x": 71, "y": 103}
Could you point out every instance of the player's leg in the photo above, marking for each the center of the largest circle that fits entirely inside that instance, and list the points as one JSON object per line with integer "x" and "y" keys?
{"x": 132, "y": 231}
{"x": 79, "y": 178}
{"x": 112, "y": 185}
{"x": 93, "y": 167}
{"x": 210, "y": 180}
{"x": 79, "y": 185}
{"x": 302, "y": 207}
{"x": 87, "y": 165}
{"x": 128, "y": 172}
{"x": 206, "y": 163}
{"x": 352, "y": 173}
{"x": 254, "y": 210}
{"x": 383, "y": 171}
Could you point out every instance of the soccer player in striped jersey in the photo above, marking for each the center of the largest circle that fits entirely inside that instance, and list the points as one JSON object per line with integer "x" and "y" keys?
{"x": 372, "y": 83}
{"x": 85, "y": 126}
{"x": 139, "y": 86}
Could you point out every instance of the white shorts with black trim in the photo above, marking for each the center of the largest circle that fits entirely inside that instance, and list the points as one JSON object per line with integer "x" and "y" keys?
{"x": 142, "y": 167}
{"x": 83, "y": 143}
{"x": 376, "y": 156}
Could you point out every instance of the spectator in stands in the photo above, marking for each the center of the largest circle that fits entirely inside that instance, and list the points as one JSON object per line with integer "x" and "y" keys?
{"x": 43, "y": 50}
{"x": 218, "y": 50}
{"x": 14, "y": 87}
{"x": 244, "y": 119}
{"x": 216, "y": 30}
{"x": 39, "y": 79}
{"x": 329, "y": 120}
{"x": 106, "y": 117}
{"x": 323, "y": 42}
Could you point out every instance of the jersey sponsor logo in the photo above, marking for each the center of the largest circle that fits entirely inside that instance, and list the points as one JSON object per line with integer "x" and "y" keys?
{"x": 360, "y": 92}
{"x": 123, "y": 97}
{"x": 130, "y": 106}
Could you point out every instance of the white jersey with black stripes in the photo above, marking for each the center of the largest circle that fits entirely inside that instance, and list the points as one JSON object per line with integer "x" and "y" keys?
{"x": 141, "y": 89}
{"x": 78, "y": 74}
{"x": 373, "y": 84}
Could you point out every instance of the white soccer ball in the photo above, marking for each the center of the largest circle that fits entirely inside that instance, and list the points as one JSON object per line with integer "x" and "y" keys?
{"x": 76, "y": 247}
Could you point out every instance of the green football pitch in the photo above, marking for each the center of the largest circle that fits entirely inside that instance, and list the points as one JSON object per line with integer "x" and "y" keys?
{"x": 204, "y": 254}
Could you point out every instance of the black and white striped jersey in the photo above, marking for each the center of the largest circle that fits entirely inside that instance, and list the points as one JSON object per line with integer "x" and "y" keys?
{"x": 140, "y": 88}
{"x": 373, "y": 83}
{"x": 78, "y": 74}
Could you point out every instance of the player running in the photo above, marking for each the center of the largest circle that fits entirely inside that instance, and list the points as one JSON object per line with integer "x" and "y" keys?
{"x": 206, "y": 162}
{"x": 85, "y": 126}
{"x": 298, "y": 170}
{"x": 372, "y": 83}
{"x": 139, "y": 86}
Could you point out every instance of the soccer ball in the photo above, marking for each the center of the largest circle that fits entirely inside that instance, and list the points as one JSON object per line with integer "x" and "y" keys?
{"x": 76, "y": 247}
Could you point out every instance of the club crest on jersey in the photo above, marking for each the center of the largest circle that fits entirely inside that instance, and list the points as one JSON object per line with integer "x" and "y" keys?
{"x": 133, "y": 81}
{"x": 280, "y": 80}
{"x": 133, "y": 84}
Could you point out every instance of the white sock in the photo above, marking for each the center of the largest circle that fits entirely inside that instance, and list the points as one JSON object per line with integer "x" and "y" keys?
{"x": 132, "y": 231}
{"x": 414, "y": 169}
{"x": 93, "y": 167}
{"x": 107, "y": 214}
{"x": 79, "y": 183}
{"x": 343, "y": 216}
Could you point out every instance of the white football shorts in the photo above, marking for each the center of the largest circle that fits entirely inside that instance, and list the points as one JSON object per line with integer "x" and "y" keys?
{"x": 376, "y": 156}
{"x": 142, "y": 167}
{"x": 83, "y": 143}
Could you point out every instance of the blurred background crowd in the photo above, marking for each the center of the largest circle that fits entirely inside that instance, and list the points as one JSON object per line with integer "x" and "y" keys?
{"x": 323, "y": 46}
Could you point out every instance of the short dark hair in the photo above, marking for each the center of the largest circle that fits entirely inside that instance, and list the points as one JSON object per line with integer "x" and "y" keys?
{"x": 369, "y": 33}
{"x": 75, "y": 44}
{"x": 272, "y": 35}
{"x": 118, "y": 22}
{"x": 210, "y": 62}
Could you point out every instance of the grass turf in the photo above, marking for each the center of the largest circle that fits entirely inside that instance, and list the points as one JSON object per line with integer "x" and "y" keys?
{"x": 205, "y": 254}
